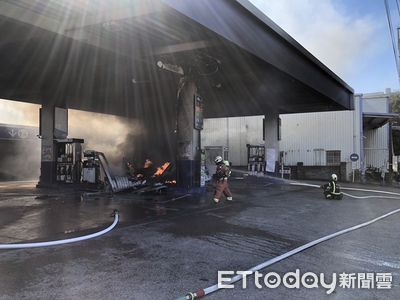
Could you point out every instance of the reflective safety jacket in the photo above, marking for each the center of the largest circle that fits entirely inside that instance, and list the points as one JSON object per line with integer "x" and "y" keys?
{"x": 228, "y": 164}
{"x": 222, "y": 171}
{"x": 333, "y": 187}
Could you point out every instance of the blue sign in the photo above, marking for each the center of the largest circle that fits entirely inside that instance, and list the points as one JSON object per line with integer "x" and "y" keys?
{"x": 354, "y": 157}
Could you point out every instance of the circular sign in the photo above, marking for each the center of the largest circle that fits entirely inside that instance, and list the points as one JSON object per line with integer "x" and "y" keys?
{"x": 354, "y": 157}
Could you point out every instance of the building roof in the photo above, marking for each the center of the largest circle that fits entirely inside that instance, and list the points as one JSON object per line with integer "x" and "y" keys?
{"x": 376, "y": 120}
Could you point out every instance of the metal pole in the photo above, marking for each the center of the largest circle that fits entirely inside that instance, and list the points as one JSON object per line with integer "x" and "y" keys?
{"x": 390, "y": 141}
{"x": 354, "y": 142}
{"x": 362, "y": 154}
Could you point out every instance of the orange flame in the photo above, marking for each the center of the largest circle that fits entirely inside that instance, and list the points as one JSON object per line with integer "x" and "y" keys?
{"x": 162, "y": 169}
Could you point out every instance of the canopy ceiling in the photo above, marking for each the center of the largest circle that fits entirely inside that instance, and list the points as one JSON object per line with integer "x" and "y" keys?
{"x": 102, "y": 56}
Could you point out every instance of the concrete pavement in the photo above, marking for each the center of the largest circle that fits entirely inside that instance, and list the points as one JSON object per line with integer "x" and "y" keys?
{"x": 165, "y": 249}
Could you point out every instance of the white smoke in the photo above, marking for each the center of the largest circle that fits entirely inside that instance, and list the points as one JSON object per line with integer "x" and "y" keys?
{"x": 19, "y": 113}
{"x": 112, "y": 135}
{"x": 115, "y": 136}
{"x": 19, "y": 160}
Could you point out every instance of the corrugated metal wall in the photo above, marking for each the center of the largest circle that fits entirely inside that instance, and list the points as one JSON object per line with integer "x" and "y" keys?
{"x": 233, "y": 133}
{"x": 376, "y": 142}
{"x": 376, "y": 147}
{"x": 307, "y": 137}
{"x": 214, "y": 132}
{"x": 357, "y": 123}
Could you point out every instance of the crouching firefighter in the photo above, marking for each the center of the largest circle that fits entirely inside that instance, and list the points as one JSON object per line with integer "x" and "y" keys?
{"x": 332, "y": 189}
{"x": 220, "y": 178}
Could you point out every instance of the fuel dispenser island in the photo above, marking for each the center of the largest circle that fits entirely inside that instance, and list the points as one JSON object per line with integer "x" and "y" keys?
{"x": 68, "y": 160}
{"x": 255, "y": 159}
{"x": 91, "y": 167}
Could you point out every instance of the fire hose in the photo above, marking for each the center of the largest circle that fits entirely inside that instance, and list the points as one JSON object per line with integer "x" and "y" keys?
{"x": 356, "y": 189}
{"x": 203, "y": 292}
{"x": 65, "y": 241}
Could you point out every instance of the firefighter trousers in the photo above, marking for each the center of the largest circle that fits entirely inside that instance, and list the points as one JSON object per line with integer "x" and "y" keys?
{"x": 222, "y": 187}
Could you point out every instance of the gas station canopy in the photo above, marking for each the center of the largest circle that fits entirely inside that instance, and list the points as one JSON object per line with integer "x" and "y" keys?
{"x": 126, "y": 57}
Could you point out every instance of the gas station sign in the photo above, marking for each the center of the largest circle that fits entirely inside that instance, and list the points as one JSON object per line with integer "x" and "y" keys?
{"x": 15, "y": 132}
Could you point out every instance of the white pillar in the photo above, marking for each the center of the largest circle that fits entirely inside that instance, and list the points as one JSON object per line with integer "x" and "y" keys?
{"x": 53, "y": 124}
{"x": 271, "y": 141}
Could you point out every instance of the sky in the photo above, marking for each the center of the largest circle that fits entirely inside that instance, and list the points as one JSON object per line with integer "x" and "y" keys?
{"x": 351, "y": 37}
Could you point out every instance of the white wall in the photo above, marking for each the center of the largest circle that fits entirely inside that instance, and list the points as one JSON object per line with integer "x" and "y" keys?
{"x": 302, "y": 134}
{"x": 376, "y": 104}
{"x": 233, "y": 133}
{"x": 376, "y": 147}
{"x": 376, "y": 142}
{"x": 340, "y": 130}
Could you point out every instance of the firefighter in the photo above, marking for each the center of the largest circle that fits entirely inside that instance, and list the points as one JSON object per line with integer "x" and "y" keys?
{"x": 229, "y": 165}
{"x": 332, "y": 189}
{"x": 221, "y": 176}
{"x": 130, "y": 170}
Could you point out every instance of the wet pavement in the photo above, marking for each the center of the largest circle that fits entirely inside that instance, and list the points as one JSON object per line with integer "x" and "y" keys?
{"x": 167, "y": 245}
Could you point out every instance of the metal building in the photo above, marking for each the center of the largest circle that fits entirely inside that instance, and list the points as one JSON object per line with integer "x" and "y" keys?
{"x": 233, "y": 134}
{"x": 323, "y": 139}
{"x": 329, "y": 138}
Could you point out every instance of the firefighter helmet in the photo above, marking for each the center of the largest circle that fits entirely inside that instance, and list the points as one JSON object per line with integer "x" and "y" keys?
{"x": 218, "y": 160}
{"x": 334, "y": 177}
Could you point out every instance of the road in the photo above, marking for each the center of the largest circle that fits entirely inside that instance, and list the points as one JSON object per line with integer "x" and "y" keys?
{"x": 162, "y": 250}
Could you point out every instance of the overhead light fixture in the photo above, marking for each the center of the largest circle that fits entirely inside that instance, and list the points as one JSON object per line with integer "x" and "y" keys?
{"x": 160, "y": 64}
{"x": 170, "y": 67}
{"x": 135, "y": 81}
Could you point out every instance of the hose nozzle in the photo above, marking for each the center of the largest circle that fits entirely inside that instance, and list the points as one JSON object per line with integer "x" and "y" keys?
{"x": 192, "y": 296}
